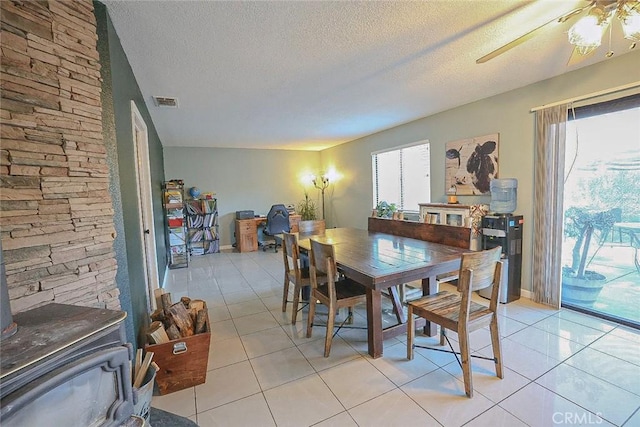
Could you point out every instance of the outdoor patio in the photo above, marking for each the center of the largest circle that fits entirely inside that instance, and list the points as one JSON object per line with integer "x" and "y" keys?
{"x": 621, "y": 293}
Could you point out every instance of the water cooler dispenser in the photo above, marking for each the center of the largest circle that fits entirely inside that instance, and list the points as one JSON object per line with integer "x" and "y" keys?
{"x": 505, "y": 230}
{"x": 502, "y": 228}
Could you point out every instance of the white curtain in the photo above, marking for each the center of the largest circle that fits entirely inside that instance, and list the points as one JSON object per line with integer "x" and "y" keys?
{"x": 548, "y": 210}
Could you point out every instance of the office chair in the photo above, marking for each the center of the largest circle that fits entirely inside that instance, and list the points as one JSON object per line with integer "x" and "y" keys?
{"x": 277, "y": 223}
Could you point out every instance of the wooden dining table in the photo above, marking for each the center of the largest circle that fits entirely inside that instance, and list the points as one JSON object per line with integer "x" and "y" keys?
{"x": 382, "y": 261}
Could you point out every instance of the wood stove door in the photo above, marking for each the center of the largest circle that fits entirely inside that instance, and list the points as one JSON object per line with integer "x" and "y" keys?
{"x": 92, "y": 391}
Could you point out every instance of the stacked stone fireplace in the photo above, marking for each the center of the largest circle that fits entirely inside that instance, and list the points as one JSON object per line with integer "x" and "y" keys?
{"x": 56, "y": 213}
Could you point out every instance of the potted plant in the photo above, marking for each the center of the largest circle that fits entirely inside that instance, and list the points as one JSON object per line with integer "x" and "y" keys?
{"x": 580, "y": 285}
{"x": 385, "y": 210}
{"x": 309, "y": 222}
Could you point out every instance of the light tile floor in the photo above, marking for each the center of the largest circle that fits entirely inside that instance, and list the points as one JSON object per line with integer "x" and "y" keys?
{"x": 562, "y": 367}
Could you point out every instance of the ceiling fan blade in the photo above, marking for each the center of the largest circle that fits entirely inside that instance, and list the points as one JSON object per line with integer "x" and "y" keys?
{"x": 560, "y": 19}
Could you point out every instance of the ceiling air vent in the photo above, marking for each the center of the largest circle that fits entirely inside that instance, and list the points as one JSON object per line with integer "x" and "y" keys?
{"x": 165, "y": 101}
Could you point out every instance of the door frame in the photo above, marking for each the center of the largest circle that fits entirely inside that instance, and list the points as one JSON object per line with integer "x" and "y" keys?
{"x": 145, "y": 204}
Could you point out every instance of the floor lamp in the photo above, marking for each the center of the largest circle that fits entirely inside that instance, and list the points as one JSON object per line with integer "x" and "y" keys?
{"x": 321, "y": 185}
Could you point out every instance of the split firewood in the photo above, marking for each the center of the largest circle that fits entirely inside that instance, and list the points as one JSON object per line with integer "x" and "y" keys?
{"x": 198, "y": 304}
{"x": 201, "y": 321}
{"x": 173, "y": 332}
{"x": 157, "y": 295}
{"x": 166, "y": 302}
{"x": 195, "y": 306}
{"x": 181, "y": 319}
{"x": 137, "y": 364}
{"x": 157, "y": 333}
{"x": 186, "y": 301}
{"x": 143, "y": 369}
{"x": 158, "y": 315}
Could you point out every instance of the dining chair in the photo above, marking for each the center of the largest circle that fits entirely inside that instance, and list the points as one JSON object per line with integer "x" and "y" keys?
{"x": 331, "y": 289}
{"x": 293, "y": 273}
{"x": 457, "y": 312}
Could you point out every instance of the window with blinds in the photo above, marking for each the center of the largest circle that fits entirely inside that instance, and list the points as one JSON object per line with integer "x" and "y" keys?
{"x": 402, "y": 176}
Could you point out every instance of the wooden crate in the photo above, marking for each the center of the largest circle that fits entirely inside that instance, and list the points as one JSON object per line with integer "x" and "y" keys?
{"x": 182, "y": 362}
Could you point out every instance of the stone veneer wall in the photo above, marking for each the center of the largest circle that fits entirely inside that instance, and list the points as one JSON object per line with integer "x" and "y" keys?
{"x": 56, "y": 214}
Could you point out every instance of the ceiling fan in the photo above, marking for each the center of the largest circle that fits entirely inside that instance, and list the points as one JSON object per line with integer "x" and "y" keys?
{"x": 586, "y": 34}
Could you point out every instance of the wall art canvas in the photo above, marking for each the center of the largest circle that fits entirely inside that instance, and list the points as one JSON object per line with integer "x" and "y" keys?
{"x": 471, "y": 164}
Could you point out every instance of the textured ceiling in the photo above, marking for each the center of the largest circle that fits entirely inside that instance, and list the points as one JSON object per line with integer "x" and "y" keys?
{"x": 308, "y": 75}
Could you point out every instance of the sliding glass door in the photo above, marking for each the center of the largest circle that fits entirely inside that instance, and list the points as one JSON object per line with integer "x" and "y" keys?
{"x": 601, "y": 246}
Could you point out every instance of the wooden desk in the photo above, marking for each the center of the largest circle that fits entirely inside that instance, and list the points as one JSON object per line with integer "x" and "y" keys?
{"x": 247, "y": 232}
{"x": 380, "y": 261}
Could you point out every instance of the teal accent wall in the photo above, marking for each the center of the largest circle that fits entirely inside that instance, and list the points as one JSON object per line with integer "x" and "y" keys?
{"x": 119, "y": 88}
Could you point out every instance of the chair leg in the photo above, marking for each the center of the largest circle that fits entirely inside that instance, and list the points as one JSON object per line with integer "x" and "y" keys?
{"x": 296, "y": 301}
{"x": 497, "y": 346}
{"x": 330, "y": 323}
{"x": 411, "y": 332}
{"x": 312, "y": 312}
{"x": 443, "y": 334}
{"x": 401, "y": 292}
{"x": 285, "y": 293}
{"x": 465, "y": 357}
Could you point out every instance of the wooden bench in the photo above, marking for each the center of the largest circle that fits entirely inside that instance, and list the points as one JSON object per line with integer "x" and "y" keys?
{"x": 459, "y": 237}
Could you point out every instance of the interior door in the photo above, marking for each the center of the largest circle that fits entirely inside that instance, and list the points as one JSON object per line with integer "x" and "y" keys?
{"x": 143, "y": 178}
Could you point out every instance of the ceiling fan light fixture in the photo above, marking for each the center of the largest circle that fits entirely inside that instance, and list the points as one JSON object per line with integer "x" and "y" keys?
{"x": 586, "y": 34}
{"x": 630, "y": 21}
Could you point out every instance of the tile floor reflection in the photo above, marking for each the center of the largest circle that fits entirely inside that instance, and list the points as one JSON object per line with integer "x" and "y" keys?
{"x": 562, "y": 367}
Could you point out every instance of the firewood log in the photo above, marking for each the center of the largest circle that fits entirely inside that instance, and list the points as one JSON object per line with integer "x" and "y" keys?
{"x": 195, "y": 306}
{"x": 166, "y": 302}
{"x": 157, "y": 333}
{"x": 157, "y": 315}
{"x": 198, "y": 304}
{"x": 143, "y": 369}
{"x": 186, "y": 301}
{"x": 181, "y": 319}
{"x": 157, "y": 296}
{"x": 137, "y": 364}
{"x": 201, "y": 321}
{"x": 173, "y": 333}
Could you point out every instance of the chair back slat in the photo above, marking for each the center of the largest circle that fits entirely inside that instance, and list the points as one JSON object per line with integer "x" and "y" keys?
{"x": 320, "y": 254}
{"x": 290, "y": 252}
{"x": 483, "y": 265}
{"x": 323, "y": 267}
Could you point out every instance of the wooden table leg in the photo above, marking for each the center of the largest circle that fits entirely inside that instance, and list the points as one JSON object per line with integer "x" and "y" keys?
{"x": 430, "y": 287}
{"x": 374, "y": 323}
{"x": 398, "y": 309}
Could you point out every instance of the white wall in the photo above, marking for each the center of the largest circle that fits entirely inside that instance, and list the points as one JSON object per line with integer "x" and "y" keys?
{"x": 508, "y": 114}
{"x": 242, "y": 179}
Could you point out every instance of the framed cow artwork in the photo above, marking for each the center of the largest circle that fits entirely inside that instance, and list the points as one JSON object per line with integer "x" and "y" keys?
{"x": 471, "y": 164}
